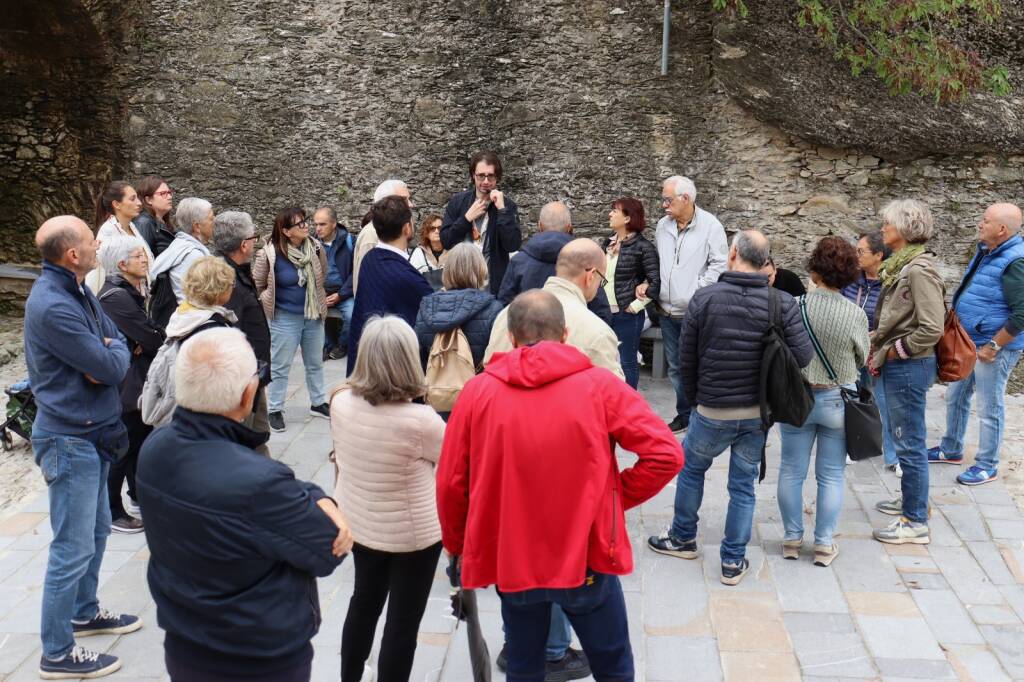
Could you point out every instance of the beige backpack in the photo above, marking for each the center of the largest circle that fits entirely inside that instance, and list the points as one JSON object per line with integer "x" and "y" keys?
{"x": 449, "y": 367}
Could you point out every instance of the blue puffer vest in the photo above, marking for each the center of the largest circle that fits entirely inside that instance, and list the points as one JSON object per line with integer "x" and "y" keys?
{"x": 981, "y": 306}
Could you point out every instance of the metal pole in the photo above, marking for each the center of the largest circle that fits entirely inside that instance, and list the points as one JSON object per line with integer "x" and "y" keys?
{"x": 664, "y": 37}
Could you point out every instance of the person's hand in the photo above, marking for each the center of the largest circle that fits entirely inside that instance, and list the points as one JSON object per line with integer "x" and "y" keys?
{"x": 498, "y": 199}
{"x": 137, "y": 351}
{"x": 987, "y": 353}
{"x": 892, "y": 355}
{"x": 641, "y": 290}
{"x": 332, "y": 300}
{"x": 478, "y": 208}
{"x": 343, "y": 543}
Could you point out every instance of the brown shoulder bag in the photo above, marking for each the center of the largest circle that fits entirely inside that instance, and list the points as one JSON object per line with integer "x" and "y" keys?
{"x": 955, "y": 353}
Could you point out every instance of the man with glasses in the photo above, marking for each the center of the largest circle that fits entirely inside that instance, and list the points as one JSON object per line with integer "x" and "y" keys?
{"x": 693, "y": 252}
{"x": 484, "y": 216}
{"x": 235, "y": 238}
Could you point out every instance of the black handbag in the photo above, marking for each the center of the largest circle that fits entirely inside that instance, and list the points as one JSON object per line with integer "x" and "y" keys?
{"x": 862, "y": 421}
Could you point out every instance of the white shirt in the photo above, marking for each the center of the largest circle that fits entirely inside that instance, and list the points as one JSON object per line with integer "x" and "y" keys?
{"x": 382, "y": 245}
{"x": 690, "y": 259}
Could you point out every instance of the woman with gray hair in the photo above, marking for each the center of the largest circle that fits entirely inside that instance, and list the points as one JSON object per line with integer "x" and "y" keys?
{"x": 194, "y": 219}
{"x": 465, "y": 303}
{"x": 385, "y": 449}
{"x": 910, "y": 317}
{"x": 126, "y": 263}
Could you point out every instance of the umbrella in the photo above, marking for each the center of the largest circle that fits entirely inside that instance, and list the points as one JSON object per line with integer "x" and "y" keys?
{"x": 464, "y": 607}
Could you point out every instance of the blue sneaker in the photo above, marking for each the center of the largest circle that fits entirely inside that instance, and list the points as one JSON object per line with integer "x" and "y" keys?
{"x": 79, "y": 664}
{"x": 107, "y": 623}
{"x": 976, "y": 476}
{"x": 937, "y": 456}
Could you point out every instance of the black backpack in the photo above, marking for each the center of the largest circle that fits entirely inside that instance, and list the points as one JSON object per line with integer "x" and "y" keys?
{"x": 785, "y": 395}
{"x": 162, "y": 301}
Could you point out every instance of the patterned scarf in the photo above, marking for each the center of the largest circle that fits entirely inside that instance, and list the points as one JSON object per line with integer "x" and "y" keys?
{"x": 891, "y": 266}
{"x": 302, "y": 259}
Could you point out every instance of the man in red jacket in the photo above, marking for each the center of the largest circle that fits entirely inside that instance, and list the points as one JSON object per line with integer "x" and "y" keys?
{"x": 530, "y": 495}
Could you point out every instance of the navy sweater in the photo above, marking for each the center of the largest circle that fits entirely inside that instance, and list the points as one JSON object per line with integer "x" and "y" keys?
{"x": 390, "y": 286}
{"x": 64, "y": 331}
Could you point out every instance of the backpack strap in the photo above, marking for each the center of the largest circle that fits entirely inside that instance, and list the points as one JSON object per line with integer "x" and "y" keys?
{"x": 814, "y": 342}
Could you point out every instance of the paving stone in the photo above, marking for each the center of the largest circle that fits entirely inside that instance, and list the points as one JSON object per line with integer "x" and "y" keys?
{"x": 1014, "y": 595}
{"x": 941, "y": 531}
{"x": 21, "y": 522}
{"x": 975, "y": 663}
{"x": 965, "y": 575}
{"x": 889, "y": 637}
{"x": 12, "y": 560}
{"x": 967, "y": 522}
{"x": 991, "y": 560}
{"x": 802, "y": 586}
{"x": 674, "y": 592}
{"x": 834, "y": 623}
{"x": 826, "y": 653}
{"x": 986, "y": 614}
{"x": 1005, "y": 641}
{"x": 999, "y": 512}
{"x": 925, "y": 581}
{"x": 748, "y": 622}
{"x": 1013, "y": 557}
{"x": 15, "y": 648}
{"x": 759, "y": 665}
{"x": 889, "y": 604}
{"x": 914, "y": 564}
{"x": 1007, "y": 529}
{"x": 672, "y": 658}
{"x": 914, "y": 669}
{"x": 947, "y": 617}
{"x": 992, "y": 494}
{"x": 865, "y": 566}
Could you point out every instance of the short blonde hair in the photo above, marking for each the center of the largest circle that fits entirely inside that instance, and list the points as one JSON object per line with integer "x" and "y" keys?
{"x": 911, "y": 218}
{"x": 465, "y": 268}
{"x": 207, "y": 281}
{"x": 388, "y": 366}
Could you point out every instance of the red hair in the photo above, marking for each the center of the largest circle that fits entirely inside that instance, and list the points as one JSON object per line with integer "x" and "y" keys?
{"x": 632, "y": 209}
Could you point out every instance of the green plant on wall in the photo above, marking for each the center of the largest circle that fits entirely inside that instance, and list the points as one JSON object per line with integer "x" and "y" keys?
{"x": 906, "y": 43}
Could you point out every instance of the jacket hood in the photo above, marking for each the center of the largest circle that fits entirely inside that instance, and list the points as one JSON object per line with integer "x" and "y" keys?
{"x": 537, "y": 365}
{"x": 446, "y": 310}
{"x": 544, "y": 246}
{"x": 175, "y": 251}
{"x": 187, "y": 317}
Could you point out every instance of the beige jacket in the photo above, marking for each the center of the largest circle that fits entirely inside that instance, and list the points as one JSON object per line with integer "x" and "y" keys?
{"x": 263, "y": 277}
{"x": 912, "y": 311}
{"x": 386, "y": 457}
{"x": 587, "y": 331}
{"x": 365, "y": 242}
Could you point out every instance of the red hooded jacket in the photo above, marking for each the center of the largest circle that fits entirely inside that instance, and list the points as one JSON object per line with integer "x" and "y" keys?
{"x": 528, "y": 488}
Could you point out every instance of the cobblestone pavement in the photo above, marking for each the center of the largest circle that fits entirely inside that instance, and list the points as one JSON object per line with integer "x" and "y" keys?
{"x": 950, "y": 610}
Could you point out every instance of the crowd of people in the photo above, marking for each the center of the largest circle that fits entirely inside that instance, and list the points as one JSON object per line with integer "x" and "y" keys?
{"x": 489, "y": 383}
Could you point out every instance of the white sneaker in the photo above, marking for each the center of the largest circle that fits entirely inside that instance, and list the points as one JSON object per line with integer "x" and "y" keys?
{"x": 895, "y": 468}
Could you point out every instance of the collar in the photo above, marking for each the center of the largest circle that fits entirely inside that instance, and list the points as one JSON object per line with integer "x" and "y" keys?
{"x": 984, "y": 249}
{"x": 64, "y": 277}
{"x": 382, "y": 245}
{"x": 745, "y": 279}
{"x": 207, "y": 426}
{"x": 555, "y": 282}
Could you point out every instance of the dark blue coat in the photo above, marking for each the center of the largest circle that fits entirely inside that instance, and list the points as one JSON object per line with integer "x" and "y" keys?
{"x": 236, "y": 544}
{"x": 340, "y": 256}
{"x": 503, "y": 234}
{"x": 472, "y": 310}
{"x": 720, "y": 348}
{"x": 532, "y": 266}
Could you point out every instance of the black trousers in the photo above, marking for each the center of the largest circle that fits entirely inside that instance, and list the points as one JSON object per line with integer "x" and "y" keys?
{"x": 124, "y": 469}
{"x": 403, "y": 580}
{"x": 181, "y": 671}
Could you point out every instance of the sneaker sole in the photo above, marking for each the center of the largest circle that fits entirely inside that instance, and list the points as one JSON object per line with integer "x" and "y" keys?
{"x": 122, "y": 630}
{"x": 791, "y": 553}
{"x": 102, "y": 672}
{"x": 987, "y": 480}
{"x": 317, "y": 414}
{"x": 890, "y": 512}
{"x": 278, "y": 430}
{"x": 825, "y": 560}
{"x": 735, "y": 580}
{"x": 905, "y": 541}
{"x": 567, "y": 675}
{"x": 679, "y": 554}
{"x": 126, "y": 531}
{"x": 946, "y": 461}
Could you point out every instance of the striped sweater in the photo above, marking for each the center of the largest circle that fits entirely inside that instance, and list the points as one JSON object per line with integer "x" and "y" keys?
{"x": 842, "y": 330}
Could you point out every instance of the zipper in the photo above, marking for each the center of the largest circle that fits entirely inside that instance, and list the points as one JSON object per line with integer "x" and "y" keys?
{"x": 615, "y": 525}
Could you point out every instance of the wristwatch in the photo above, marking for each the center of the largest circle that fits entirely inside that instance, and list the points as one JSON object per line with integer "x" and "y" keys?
{"x": 994, "y": 346}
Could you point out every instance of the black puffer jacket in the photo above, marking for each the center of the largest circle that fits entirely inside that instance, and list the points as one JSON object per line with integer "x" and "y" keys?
{"x": 157, "y": 234}
{"x": 720, "y": 348}
{"x": 473, "y": 310}
{"x": 124, "y": 304}
{"x": 638, "y": 263}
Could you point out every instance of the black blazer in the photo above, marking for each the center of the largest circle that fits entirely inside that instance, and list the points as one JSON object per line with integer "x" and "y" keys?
{"x": 503, "y": 234}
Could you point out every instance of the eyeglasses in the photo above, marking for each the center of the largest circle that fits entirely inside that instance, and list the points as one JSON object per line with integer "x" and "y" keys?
{"x": 865, "y": 252}
{"x": 137, "y": 256}
{"x": 604, "y": 280}
{"x": 165, "y": 193}
{"x": 303, "y": 224}
{"x": 483, "y": 177}
{"x": 665, "y": 201}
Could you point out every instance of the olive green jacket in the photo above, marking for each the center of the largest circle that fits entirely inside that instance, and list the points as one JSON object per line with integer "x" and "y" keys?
{"x": 912, "y": 311}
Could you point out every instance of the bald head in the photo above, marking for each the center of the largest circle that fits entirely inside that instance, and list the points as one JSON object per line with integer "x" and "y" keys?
{"x": 534, "y": 316}
{"x": 1008, "y": 215}
{"x": 57, "y": 236}
{"x": 580, "y": 261}
{"x": 554, "y": 217}
{"x": 999, "y": 223}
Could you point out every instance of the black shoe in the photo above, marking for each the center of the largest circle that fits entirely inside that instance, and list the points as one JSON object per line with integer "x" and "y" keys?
{"x": 79, "y": 664}
{"x": 126, "y": 524}
{"x": 276, "y": 421}
{"x": 666, "y": 543}
{"x": 337, "y": 353}
{"x": 573, "y": 666}
{"x": 732, "y": 574}
{"x": 107, "y": 623}
{"x": 679, "y": 424}
{"x": 327, "y": 354}
{"x": 321, "y": 410}
{"x": 502, "y": 661}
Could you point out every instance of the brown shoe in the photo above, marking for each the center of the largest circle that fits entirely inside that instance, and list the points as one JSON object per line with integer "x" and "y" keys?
{"x": 825, "y": 555}
{"x": 791, "y": 549}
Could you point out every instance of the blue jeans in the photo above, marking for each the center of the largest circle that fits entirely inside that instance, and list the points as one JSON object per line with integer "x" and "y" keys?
{"x": 597, "y": 611}
{"x": 989, "y": 379}
{"x": 671, "y": 330}
{"x": 287, "y": 332}
{"x": 705, "y": 440}
{"x": 345, "y": 308}
{"x": 906, "y": 385}
{"x": 628, "y": 327}
{"x": 80, "y": 517}
{"x": 826, "y": 424}
{"x": 878, "y": 388}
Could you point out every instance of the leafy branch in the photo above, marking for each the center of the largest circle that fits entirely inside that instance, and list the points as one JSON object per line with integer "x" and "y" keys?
{"x": 905, "y": 43}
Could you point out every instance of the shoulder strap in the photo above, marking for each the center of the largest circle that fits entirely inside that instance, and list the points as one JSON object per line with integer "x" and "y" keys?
{"x": 814, "y": 342}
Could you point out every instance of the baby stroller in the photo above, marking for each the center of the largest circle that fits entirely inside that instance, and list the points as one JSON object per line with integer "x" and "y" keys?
{"x": 21, "y": 412}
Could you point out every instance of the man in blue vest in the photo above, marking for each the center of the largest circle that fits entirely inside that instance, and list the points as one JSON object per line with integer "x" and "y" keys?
{"x": 990, "y": 303}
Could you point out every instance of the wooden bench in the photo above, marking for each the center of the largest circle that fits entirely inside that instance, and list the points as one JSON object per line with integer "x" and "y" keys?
{"x": 658, "y": 368}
